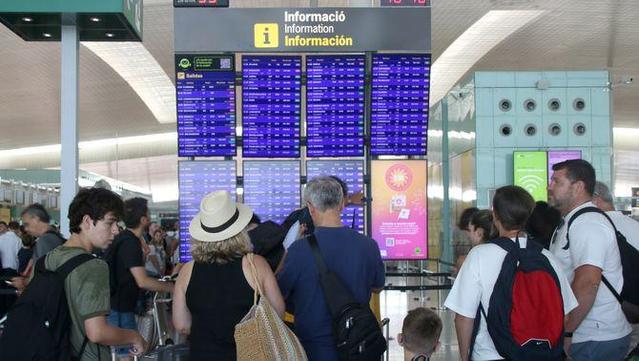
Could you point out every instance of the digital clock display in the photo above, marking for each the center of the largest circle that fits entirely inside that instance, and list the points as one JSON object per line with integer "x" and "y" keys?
{"x": 200, "y": 3}
{"x": 385, "y": 3}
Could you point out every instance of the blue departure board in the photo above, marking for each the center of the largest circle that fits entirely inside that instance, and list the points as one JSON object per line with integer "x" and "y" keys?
{"x": 335, "y": 105}
{"x": 272, "y": 188}
{"x": 205, "y": 90}
{"x": 197, "y": 179}
{"x": 399, "y": 107}
{"x": 271, "y": 106}
{"x": 352, "y": 173}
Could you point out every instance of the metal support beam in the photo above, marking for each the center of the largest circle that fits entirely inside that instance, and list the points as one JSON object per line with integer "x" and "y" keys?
{"x": 69, "y": 121}
{"x": 446, "y": 242}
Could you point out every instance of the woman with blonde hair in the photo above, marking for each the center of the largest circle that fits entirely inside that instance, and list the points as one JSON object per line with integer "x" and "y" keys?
{"x": 215, "y": 290}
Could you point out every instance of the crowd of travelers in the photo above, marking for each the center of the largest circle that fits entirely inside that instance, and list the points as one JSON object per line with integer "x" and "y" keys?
{"x": 543, "y": 281}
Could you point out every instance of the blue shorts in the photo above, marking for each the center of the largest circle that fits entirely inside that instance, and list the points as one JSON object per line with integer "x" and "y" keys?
{"x": 124, "y": 320}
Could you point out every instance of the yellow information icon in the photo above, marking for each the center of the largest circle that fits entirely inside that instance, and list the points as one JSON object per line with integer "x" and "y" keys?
{"x": 266, "y": 35}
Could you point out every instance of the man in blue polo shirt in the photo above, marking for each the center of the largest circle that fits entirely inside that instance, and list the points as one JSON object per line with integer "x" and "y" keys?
{"x": 353, "y": 257}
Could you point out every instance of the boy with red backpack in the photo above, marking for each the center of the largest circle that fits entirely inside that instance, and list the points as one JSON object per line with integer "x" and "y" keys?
{"x": 510, "y": 297}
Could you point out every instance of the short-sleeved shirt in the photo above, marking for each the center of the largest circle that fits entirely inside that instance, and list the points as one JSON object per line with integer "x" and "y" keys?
{"x": 476, "y": 281}
{"x": 46, "y": 243}
{"x": 627, "y": 226}
{"x": 10, "y": 245}
{"x": 128, "y": 254}
{"x": 355, "y": 258}
{"x": 87, "y": 292}
{"x": 593, "y": 242}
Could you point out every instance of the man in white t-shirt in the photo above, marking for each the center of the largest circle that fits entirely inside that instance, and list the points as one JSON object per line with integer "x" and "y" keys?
{"x": 10, "y": 245}
{"x": 598, "y": 327}
{"x": 475, "y": 282}
{"x": 602, "y": 198}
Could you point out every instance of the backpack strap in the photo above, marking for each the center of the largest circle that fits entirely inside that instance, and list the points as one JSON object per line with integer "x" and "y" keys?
{"x": 618, "y": 235}
{"x": 71, "y": 264}
{"x": 321, "y": 265}
{"x": 476, "y": 324}
{"x": 506, "y": 244}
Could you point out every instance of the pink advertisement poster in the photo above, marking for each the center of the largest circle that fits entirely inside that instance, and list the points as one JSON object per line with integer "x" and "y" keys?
{"x": 558, "y": 156}
{"x": 400, "y": 219}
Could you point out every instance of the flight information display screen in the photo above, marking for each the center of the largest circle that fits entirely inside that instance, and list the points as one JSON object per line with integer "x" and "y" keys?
{"x": 271, "y": 106}
{"x": 352, "y": 173}
{"x": 197, "y": 179}
{"x": 205, "y": 89}
{"x": 399, "y": 107}
{"x": 272, "y": 188}
{"x": 335, "y": 105}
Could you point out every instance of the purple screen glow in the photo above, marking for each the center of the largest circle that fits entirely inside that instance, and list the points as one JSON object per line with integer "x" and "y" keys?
{"x": 271, "y": 106}
{"x": 352, "y": 173}
{"x": 272, "y": 188}
{"x": 197, "y": 179}
{"x": 399, "y": 108}
{"x": 205, "y": 105}
{"x": 558, "y": 156}
{"x": 335, "y": 105}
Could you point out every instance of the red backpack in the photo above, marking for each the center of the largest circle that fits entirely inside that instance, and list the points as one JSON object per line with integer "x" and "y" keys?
{"x": 526, "y": 312}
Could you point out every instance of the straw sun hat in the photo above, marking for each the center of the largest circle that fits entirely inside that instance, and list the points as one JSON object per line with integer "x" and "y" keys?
{"x": 219, "y": 218}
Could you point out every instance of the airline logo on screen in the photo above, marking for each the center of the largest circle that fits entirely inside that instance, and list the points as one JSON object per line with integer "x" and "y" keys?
{"x": 266, "y": 35}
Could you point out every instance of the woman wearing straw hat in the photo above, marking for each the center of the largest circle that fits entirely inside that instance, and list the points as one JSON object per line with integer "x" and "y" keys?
{"x": 215, "y": 290}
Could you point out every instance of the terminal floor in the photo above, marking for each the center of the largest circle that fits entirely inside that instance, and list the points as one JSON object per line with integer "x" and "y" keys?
{"x": 395, "y": 305}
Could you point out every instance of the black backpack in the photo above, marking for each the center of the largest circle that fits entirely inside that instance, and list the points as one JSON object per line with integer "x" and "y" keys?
{"x": 39, "y": 324}
{"x": 357, "y": 334}
{"x": 629, "y": 297}
{"x": 525, "y": 316}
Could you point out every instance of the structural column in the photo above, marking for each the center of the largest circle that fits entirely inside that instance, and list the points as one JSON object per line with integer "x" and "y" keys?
{"x": 69, "y": 120}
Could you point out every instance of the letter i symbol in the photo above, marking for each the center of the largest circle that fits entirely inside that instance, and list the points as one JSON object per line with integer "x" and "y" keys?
{"x": 266, "y": 39}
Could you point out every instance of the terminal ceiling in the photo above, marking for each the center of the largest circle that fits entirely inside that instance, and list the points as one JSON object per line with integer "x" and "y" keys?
{"x": 566, "y": 35}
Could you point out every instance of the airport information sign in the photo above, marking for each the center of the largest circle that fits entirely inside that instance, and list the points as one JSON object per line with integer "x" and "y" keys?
{"x": 271, "y": 106}
{"x": 272, "y": 188}
{"x": 197, "y": 179}
{"x": 399, "y": 114}
{"x": 352, "y": 173}
{"x": 399, "y": 208}
{"x": 205, "y": 89}
{"x": 335, "y": 105}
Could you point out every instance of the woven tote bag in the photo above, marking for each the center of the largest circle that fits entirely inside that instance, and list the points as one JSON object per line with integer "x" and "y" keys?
{"x": 261, "y": 335}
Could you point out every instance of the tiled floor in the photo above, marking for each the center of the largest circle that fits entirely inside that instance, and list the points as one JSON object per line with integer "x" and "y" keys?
{"x": 395, "y": 305}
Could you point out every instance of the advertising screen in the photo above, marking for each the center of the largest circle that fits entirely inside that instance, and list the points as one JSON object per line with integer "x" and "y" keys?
{"x": 271, "y": 106}
{"x": 272, "y": 188}
{"x": 335, "y": 105}
{"x": 558, "y": 156}
{"x": 399, "y": 108}
{"x": 531, "y": 173}
{"x": 352, "y": 173}
{"x": 400, "y": 219}
{"x": 205, "y": 90}
{"x": 197, "y": 179}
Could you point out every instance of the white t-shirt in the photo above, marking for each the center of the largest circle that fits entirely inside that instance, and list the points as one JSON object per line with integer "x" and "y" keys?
{"x": 627, "y": 226}
{"x": 475, "y": 283}
{"x": 10, "y": 245}
{"x": 593, "y": 242}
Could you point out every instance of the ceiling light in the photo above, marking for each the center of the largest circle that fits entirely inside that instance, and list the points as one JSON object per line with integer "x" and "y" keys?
{"x": 94, "y": 19}
{"x": 27, "y": 19}
{"x": 109, "y": 35}
{"x": 143, "y": 73}
{"x": 46, "y": 35}
{"x": 479, "y": 39}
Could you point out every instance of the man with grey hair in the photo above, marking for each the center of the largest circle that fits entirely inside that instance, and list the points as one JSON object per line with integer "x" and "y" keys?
{"x": 355, "y": 259}
{"x": 603, "y": 199}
